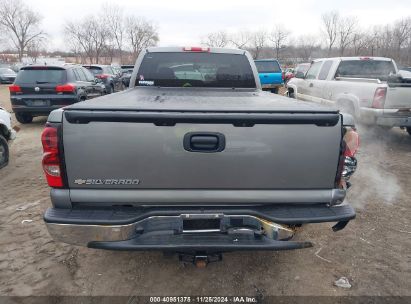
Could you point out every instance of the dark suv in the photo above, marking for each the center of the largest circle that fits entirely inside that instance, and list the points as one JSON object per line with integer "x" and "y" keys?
{"x": 38, "y": 90}
{"x": 127, "y": 71}
{"x": 107, "y": 74}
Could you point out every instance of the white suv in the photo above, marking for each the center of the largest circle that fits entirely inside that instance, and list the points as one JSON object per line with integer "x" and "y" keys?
{"x": 6, "y": 134}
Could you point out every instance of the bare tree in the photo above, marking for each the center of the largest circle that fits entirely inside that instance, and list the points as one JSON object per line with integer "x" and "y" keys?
{"x": 385, "y": 41}
{"x": 258, "y": 42}
{"x": 361, "y": 42}
{"x": 77, "y": 50}
{"x": 306, "y": 45}
{"x": 217, "y": 39}
{"x": 241, "y": 39}
{"x": 78, "y": 34}
{"x": 278, "y": 37}
{"x": 401, "y": 34}
{"x": 330, "y": 22}
{"x": 114, "y": 16}
{"x": 20, "y": 23}
{"x": 346, "y": 28}
{"x": 99, "y": 36}
{"x": 34, "y": 49}
{"x": 90, "y": 36}
{"x": 140, "y": 34}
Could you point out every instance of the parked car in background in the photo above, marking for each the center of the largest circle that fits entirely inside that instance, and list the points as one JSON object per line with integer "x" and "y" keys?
{"x": 38, "y": 90}
{"x": 127, "y": 70}
{"x": 370, "y": 88}
{"x": 301, "y": 69}
{"x": 288, "y": 74}
{"x": 117, "y": 70}
{"x": 271, "y": 76}
{"x": 17, "y": 66}
{"x": 408, "y": 69}
{"x": 6, "y": 134}
{"x": 108, "y": 75}
{"x": 7, "y": 76}
{"x": 405, "y": 72}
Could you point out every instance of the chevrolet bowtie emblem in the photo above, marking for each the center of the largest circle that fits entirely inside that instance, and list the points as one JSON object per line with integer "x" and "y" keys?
{"x": 80, "y": 181}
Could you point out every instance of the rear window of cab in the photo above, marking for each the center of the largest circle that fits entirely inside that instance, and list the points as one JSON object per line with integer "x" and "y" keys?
{"x": 195, "y": 69}
{"x": 268, "y": 66}
{"x": 366, "y": 68}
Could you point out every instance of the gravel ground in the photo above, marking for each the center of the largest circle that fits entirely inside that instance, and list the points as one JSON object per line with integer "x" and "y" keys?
{"x": 373, "y": 252}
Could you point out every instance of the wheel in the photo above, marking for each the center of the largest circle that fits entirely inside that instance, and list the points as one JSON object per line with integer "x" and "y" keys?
{"x": 4, "y": 152}
{"x": 110, "y": 89}
{"x": 275, "y": 91}
{"x": 409, "y": 130}
{"x": 24, "y": 118}
{"x": 291, "y": 94}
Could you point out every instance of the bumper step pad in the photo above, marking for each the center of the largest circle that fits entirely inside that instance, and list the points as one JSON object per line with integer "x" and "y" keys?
{"x": 167, "y": 241}
{"x": 291, "y": 215}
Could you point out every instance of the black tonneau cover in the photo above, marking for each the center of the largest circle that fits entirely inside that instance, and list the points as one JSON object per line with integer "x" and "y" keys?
{"x": 199, "y": 100}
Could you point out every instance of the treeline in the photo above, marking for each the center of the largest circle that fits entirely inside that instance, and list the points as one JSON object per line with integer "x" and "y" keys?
{"x": 339, "y": 36}
{"x": 110, "y": 33}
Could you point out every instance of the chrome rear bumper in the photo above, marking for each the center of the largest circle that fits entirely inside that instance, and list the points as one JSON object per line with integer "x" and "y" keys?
{"x": 385, "y": 117}
{"x": 83, "y": 235}
{"x": 181, "y": 228}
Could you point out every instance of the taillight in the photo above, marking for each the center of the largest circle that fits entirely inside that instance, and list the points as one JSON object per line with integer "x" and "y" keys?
{"x": 15, "y": 89}
{"x": 283, "y": 75}
{"x": 348, "y": 162}
{"x": 379, "y": 98}
{"x": 51, "y": 159}
{"x": 65, "y": 88}
{"x": 196, "y": 49}
{"x": 102, "y": 76}
{"x": 352, "y": 143}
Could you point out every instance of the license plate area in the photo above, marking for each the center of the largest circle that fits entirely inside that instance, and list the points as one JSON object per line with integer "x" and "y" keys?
{"x": 201, "y": 223}
{"x": 38, "y": 103}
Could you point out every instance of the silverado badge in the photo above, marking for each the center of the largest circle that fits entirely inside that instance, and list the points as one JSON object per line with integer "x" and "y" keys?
{"x": 107, "y": 181}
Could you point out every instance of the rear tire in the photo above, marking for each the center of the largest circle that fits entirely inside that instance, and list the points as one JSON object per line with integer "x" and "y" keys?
{"x": 24, "y": 118}
{"x": 409, "y": 130}
{"x": 110, "y": 89}
{"x": 4, "y": 152}
{"x": 291, "y": 94}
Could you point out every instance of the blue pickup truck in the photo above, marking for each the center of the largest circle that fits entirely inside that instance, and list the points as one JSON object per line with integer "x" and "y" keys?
{"x": 271, "y": 76}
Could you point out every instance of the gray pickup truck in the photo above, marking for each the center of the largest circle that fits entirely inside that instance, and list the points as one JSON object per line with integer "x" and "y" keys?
{"x": 197, "y": 163}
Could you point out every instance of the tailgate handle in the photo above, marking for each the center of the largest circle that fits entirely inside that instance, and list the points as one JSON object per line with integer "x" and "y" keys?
{"x": 206, "y": 142}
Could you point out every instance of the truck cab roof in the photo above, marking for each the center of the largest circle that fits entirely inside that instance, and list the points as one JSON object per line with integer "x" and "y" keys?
{"x": 354, "y": 58}
{"x": 194, "y": 49}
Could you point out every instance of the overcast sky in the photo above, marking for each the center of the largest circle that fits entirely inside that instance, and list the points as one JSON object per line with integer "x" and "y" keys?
{"x": 184, "y": 22}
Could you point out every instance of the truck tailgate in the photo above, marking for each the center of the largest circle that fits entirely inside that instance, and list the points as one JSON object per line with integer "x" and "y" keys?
{"x": 126, "y": 150}
{"x": 271, "y": 78}
{"x": 398, "y": 97}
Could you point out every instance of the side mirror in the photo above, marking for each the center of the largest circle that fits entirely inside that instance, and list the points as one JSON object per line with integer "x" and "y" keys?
{"x": 395, "y": 78}
{"x": 300, "y": 75}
